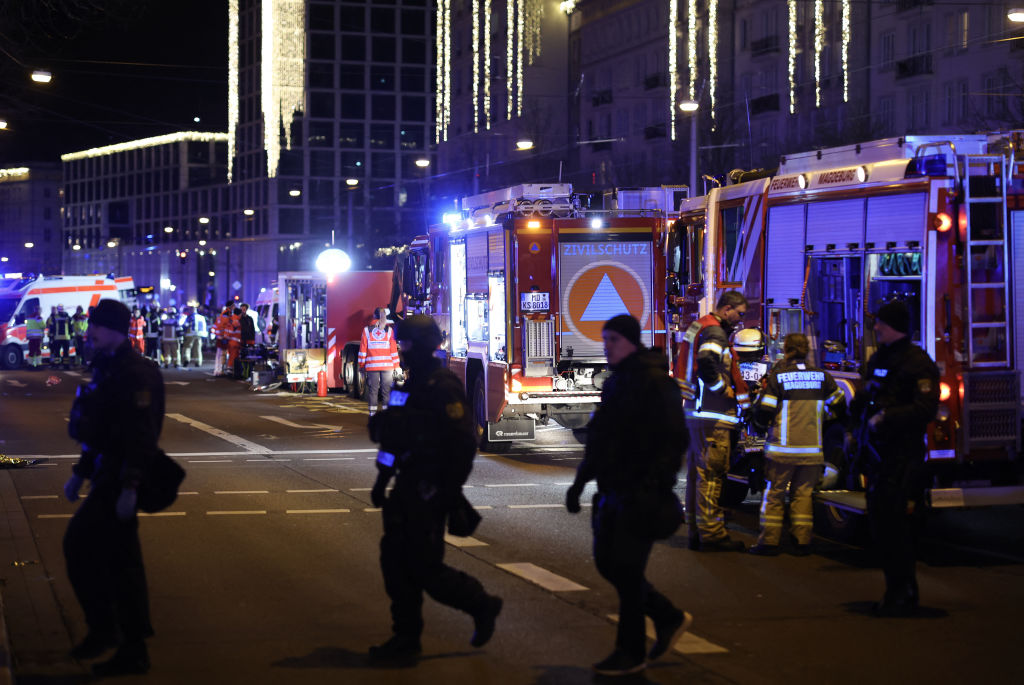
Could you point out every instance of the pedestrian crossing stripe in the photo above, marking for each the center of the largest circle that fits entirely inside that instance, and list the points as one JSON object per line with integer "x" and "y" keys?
{"x": 688, "y": 643}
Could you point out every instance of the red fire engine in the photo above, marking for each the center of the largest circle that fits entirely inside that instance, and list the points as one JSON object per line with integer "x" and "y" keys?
{"x": 831, "y": 235}
{"x": 521, "y": 281}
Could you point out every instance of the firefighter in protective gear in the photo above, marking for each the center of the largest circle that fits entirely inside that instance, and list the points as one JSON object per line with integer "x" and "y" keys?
{"x": 427, "y": 443}
{"x": 79, "y": 327}
{"x": 891, "y": 411}
{"x": 714, "y": 391}
{"x": 35, "y": 328}
{"x": 171, "y": 339}
{"x": 795, "y": 401}
{"x": 60, "y": 337}
{"x": 378, "y": 358}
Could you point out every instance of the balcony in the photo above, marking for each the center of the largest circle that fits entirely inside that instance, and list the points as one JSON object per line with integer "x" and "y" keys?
{"x": 602, "y": 97}
{"x": 918, "y": 65}
{"x": 765, "y": 103}
{"x": 764, "y": 45}
{"x": 656, "y": 131}
{"x": 659, "y": 80}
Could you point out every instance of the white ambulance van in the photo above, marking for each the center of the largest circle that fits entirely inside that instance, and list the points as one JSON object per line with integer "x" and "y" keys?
{"x": 19, "y": 297}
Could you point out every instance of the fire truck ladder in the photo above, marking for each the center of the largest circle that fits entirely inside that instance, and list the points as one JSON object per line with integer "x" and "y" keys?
{"x": 990, "y": 392}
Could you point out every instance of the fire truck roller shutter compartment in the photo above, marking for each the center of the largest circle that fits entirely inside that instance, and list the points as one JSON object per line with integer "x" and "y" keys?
{"x": 600, "y": 278}
{"x": 898, "y": 219}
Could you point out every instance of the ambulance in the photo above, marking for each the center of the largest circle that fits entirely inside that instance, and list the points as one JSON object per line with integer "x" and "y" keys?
{"x": 817, "y": 245}
{"x": 20, "y": 296}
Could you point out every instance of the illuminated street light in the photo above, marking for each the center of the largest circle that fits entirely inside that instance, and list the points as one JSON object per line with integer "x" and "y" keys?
{"x": 212, "y": 273}
{"x": 422, "y": 163}
{"x": 352, "y": 182}
{"x": 688, "y": 106}
{"x": 111, "y": 243}
{"x": 42, "y": 76}
{"x": 204, "y": 220}
{"x": 168, "y": 229}
{"x": 294, "y": 192}
{"x": 1016, "y": 15}
{"x": 76, "y": 247}
{"x": 247, "y": 212}
{"x": 30, "y": 245}
{"x": 3, "y": 124}
{"x": 524, "y": 144}
{"x": 332, "y": 261}
{"x": 202, "y": 243}
{"x": 3, "y": 259}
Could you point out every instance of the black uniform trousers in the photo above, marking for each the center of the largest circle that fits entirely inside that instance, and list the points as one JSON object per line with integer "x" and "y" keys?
{"x": 104, "y": 563}
{"x": 893, "y": 528}
{"x": 412, "y": 562}
{"x": 621, "y": 558}
{"x": 60, "y": 352}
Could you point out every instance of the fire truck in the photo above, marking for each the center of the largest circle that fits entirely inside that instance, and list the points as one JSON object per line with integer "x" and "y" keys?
{"x": 19, "y": 297}
{"x": 936, "y": 222}
{"x": 328, "y": 313}
{"x": 521, "y": 280}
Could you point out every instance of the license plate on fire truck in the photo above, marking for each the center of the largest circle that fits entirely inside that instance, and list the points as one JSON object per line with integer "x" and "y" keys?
{"x": 534, "y": 302}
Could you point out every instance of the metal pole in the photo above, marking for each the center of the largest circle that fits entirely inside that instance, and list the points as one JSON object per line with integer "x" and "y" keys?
{"x": 348, "y": 210}
{"x": 693, "y": 153}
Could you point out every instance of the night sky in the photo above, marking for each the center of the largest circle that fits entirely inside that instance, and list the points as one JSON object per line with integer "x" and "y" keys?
{"x": 178, "y": 51}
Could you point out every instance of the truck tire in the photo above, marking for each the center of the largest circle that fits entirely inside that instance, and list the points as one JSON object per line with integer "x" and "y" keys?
{"x": 480, "y": 419}
{"x": 348, "y": 371}
{"x": 11, "y": 357}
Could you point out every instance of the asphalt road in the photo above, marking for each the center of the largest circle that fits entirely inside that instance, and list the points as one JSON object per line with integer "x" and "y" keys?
{"x": 265, "y": 570}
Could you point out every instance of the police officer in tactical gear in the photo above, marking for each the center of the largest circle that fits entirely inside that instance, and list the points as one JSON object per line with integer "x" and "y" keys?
{"x": 117, "y": 419}
{"x": 427, "y": 443}
{"x": 890, "y": 413}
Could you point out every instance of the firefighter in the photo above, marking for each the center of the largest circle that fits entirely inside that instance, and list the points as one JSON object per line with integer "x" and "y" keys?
{"x": 233, "y": 334}
{"x": 794, "y": 403}
{"x": 35, "y": 328}
{"x": 60, "y": 335}
{"x": 171, "y": 339}
{"x": 711, "y": 382}
{"x": 137, "y": 331}
{"x": 889, "y": 415}
{"x": 194, "y": 327}
{"x": 117, "y": 419}
{"x": 79, "y": 327}
{"x": 378, "y": 357}
{"x": 153, "y": 333}
{"x": 427, "y": 443}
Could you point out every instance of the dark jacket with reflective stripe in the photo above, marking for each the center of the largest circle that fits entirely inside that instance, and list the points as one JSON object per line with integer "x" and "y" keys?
{"x": 794, "y": 404}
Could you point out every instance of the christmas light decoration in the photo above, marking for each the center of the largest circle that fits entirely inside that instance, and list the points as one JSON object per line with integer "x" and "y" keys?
{"x": 691, "y": 46}
{"x": 475, "y": 11}
{"x": 232, "y": 83}
{"x": 192, "y": 136}
{"x": 713, "y": 54}
{"x": 283, "y": 53}
{"x": 487, "y": 64}
{"x": 673, "y": 71}
{"x": 792, "y": 56}
{"x": 846, "y": 50}
{"x": 819, "y": 44}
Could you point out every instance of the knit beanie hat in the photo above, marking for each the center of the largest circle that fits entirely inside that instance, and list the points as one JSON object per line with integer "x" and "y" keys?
{"x": 626, "y": 326}
{"x": 896, "y": 315}
{"x": 111, "y": 314}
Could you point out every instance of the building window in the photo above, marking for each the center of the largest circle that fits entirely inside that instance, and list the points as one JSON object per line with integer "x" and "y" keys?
{"x": 353, "y": 106}
{"x": 918, "y": 108}
{"x": 382, "y": 107}
{"x": 383, "y": 49}
{"x": 414, "y": 51}
{"x": 321, "y": 18}
{"x": 382, "y": 77}
{"x": 321, "y": 75}
{"x": 886, "y": 115}
{"x": 321, "y": 134}
{"x": 353, "y": 48}
{"x": 321, "y": 105}
{"x": 352, "y": 18}
{"x": 289, "y": 221}
{"x": 321, "y": 46}
{"x": 352, "y": 77}
{"x": 414, "y": 108}
{"x": 888, "y": 46}
{"x": 414, "y": 22}
{"x": 414, "y": 79}
{"x": 350, "y": 135}
{"x": 382, "y": 20}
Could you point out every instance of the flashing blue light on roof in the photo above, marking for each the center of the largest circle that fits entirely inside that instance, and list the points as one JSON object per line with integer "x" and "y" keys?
{"x": 450, "y": 219}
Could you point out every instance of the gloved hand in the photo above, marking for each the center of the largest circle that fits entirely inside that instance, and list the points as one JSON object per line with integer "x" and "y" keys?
{"x": 572, "y": 498}
{"x": 379, "y": 493}
{"x": 875, "y": 422}
{"x": 72, "y": 487}
{"x": 126, "y": 503}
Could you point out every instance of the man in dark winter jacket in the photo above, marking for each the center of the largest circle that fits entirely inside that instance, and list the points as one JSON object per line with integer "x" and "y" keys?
{"x": 117, "y": 418}
{"x": 427, "y": 440}
{"x": 635, "y": 446}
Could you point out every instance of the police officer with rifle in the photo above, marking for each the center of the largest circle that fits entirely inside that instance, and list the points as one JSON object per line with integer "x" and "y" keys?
{"x": 427, "y": 443}
{"x": 889, "y": 416}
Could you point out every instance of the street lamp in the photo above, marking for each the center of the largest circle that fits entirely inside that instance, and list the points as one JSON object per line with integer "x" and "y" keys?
{"x": 168, "y": 229}
{"x": 333, "y": 261}
{"x": 524, "y": 144}
{"x": 352, "y": 183}
{"x": 1016, "y": 15}
{"x": 423, "y": 163}
{"x": 30, "y": 245}
{"x": 691, "y": 107}
{"x": 41, "y": 76}
{"x": 3, "y": 124}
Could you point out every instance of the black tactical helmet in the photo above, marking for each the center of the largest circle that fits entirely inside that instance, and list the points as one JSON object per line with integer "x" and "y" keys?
{"x": 419, "y": 330}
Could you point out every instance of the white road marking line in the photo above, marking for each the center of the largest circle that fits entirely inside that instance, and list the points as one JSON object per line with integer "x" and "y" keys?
{"x": 256, "y": 512}
{"x": 17, "y": 384}
{"x": 463, "y": 542}
{"x": 329, "y": 459}
{"x": 39, "y": 496}
{"x": 372, "y": 509}
{"x": 55, "y": 516}
{"x": 241, "y": 492}
{"x": 210, "y": 461}
{"x": 268, "y": 461}
{"x": 176, "y": 382}
{"x": 305, "y": 491}
{"x": 162, "y": 513}
{"x": 238, "y": 440}
{"x": 542, "y": 577}
{"x": 73, "y": 374}
{"x": 292, "y": 424}
{"x": 360, "y": 489}
{"x": 317, "y": 511}
{"x": 187, "y": 493}
{"x": 688, "y": 643}
{"x": 535, "y": 506}
{"x": 510, "y": 485}
{"x": 34, "y": 466}
{"x": 482, "y": 506}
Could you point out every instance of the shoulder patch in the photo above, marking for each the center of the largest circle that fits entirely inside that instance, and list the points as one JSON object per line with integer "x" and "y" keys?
{"x": 454, "y": 410}
{"x": 924, "y": 385}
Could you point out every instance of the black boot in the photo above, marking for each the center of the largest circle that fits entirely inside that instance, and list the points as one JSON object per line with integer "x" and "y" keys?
{"x": 398, "y": 648}
{"x": 131, "y": 658}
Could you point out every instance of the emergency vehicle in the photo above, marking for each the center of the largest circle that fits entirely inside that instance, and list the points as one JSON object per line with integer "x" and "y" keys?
{"x": 521, "y": 281}
{"x": 329, "y": 312}
{"x": 831, "y": 235}
{"x": 19, "y": 297}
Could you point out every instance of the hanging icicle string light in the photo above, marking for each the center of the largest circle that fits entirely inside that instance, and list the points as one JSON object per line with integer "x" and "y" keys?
{"x": 712, "y": 55}
{"x": 819, "y": 45}
{"x": 487, "y": 64}
{"x": 691, "y": 46}
{"x": 846, "y": 50}
{"x": 673, "y": 67}
{"x": 792, "y": 56}
{"x": 475, "y": 11}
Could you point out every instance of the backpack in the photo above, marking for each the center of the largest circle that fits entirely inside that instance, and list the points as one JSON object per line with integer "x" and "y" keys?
{"x": 160, "y": 482}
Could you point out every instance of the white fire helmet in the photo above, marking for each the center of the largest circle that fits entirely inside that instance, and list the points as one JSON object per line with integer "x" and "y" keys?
{"x": 748, "y": 340}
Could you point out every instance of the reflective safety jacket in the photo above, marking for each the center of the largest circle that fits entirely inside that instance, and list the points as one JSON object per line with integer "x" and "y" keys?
{"x": 705, "y": 367}
{"x": 378, "y": 350}
{"x": 34, "y": 327}
{"x": 137, "y": 328}
{"x": 794, "y": 404}
{"x": 79, "y": 324}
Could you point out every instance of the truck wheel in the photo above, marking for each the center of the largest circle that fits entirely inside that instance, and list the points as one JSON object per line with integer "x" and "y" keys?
{"x": 12, "y": 357}
{"x": 348, "y": 370}
{"x": 480, "y": 419}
